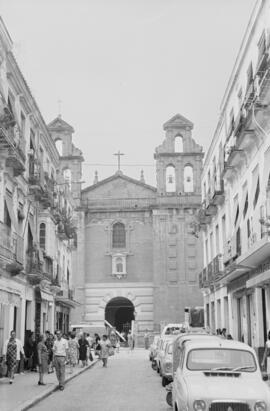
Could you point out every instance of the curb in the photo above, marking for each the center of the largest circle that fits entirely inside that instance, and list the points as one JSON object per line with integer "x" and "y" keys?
{"x": 26, "y": 405}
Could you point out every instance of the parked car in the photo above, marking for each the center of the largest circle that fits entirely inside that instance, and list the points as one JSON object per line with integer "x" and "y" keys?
{"x": 170, "y": 329}
{"x": 153, "y": 347}
{"x": 181, "y": 339}
{"x": 166, "y": 364}
{"x": 219, "y": 374}
{"x": 161, "y": 349}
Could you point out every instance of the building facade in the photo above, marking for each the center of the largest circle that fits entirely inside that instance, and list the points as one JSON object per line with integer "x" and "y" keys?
{"x": 37, "y": 217}
{"x": 234, "y": 218}
{"x": 137, "y": 256}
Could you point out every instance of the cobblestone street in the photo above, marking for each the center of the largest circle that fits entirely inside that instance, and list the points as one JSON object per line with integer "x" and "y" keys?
{"x": 128, "y": 384}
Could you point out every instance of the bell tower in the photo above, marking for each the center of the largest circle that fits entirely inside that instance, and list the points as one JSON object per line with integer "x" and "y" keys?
{"x": 178, "y": 160}
{"x": 71, "y": 157}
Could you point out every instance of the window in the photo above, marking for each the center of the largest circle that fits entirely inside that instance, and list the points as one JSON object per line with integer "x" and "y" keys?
{"x": 178, "y": 144}
{"x": 67, "y": 177}
{"x": 245, "y": 206}
{"x": 42, "y": 236}
{"x": 248, "y": 228}
{"x": 188, "y": 179}
{"x": 119, "y": 265}
{"x": 236, "y": 215}
{"x": 119, "y": 236}
{"x": 119, "y": 268}
{"x": 257, "y": 192}
{"x": 170, "y": 179}
{"x": 22, "y": 124}
{"x": 261, "y": 47}
{"x": 249, "y": 75}
{"x": 59, "y": 146}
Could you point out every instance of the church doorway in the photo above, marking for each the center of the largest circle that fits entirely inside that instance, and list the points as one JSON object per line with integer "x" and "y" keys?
{"x": 119, "y": 312}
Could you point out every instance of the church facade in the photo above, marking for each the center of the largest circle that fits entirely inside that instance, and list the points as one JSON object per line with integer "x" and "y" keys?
{"x": 137, "y": 256}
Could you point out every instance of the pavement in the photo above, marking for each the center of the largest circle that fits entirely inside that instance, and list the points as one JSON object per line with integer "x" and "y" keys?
{"x": 25, "y": 391}
{"x": 128, "y": 384}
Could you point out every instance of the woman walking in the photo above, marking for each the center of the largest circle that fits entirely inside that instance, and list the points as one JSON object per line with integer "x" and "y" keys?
{"x": 73, "y": 348}
{"x": 12, "y": 349}
{"x": 83, "y": 345}
{"x": 105, "y": 346}
{"x": 43, "y": 356}
{"x": 266, "y": 355}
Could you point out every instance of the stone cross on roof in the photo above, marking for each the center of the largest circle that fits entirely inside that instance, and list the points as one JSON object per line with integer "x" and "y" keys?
{"x": 119, "y": 154}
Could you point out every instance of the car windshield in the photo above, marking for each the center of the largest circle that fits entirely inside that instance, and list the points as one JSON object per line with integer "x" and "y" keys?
{"x": 221, "y": 359}
{"x": 172, "y": 330}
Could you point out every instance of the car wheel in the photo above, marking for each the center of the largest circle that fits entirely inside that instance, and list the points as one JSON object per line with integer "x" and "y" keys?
{"x": 169, "y": 398}
{"x": 158, "y": 369}
{"x": 164, "y": 381}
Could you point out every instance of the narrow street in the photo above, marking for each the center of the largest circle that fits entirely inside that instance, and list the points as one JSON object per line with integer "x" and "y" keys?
{"x": 128, "y": 384}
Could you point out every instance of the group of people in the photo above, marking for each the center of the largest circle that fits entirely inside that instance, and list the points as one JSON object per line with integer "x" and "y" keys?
{"x": 54, "y": 352}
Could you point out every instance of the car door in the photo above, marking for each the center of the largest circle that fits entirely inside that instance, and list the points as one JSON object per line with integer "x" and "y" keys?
{"x": 180, "y": 384}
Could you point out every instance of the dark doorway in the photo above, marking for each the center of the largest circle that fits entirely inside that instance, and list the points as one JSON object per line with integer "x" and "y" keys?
{"x": 119, "y": 312}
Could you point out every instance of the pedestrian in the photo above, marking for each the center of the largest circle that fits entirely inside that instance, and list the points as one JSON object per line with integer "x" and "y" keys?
{"x": 33, "y": 343}
{"x": 90, "y": 342}
{"x": 11, "y": 352}
{"x": 146, "y": 340}
{"x": 83, "y": 346}
{"x": 224, "y": 333}
{"x": 60, "y": 351}
{"x": 97, "y": 344}
{"x": 105, "y": 345}
{"x": 42, "y": 359}
{"x": 266, "y": 355}
{"x": 130, "y": 341}
{"x": 49, "y": 344}
{"x": 73, "y": 348}
{"x": 117, "y": 345}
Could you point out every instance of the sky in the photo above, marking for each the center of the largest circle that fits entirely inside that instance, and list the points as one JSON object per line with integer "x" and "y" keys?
{"x": 122, "y": 68}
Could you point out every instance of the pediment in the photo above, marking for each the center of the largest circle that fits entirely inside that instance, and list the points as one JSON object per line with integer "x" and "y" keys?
{"x": 59, "y": 124}
{"x": 119, "y": 186}
{"x": 178, "y": 121}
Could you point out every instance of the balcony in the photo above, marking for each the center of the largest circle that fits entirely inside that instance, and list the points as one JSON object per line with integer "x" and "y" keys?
{"x": 11, "y": 249}
{"x": 217, "y": 267}
{"x": 34, "y": 266}
{"x": 218, "y": 195}
{"x": 203, "y": 279}
{"x": 230, "y": 251}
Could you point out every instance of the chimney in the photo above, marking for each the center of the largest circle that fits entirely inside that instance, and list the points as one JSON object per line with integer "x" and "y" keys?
{"x": 142, "y": 177}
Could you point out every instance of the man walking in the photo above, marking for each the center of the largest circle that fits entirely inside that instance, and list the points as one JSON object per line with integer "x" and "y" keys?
{"x": 60, "y": 350}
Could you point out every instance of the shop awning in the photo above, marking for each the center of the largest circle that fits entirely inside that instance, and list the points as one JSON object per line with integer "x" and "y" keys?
{"x": 259, "y": 280}
{"x": 46, "y": 296}
{"x": 256, "y": 254}
{"x": 8, "y": 298}
{"x": 66, "y": 302}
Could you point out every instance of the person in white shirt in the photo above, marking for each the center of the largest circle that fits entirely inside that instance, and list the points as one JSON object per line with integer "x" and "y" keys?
{"x": 11, "y": 352}
{"x": 60, "y": 350}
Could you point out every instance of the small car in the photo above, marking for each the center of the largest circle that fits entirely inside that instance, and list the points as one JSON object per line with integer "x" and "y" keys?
{"x": 219, "y": 374}
{"x": 170, "y": 329}
{"x": 166, "y": 364}
{"x": 153, "y": 347}
{"x": 161, "y": 350}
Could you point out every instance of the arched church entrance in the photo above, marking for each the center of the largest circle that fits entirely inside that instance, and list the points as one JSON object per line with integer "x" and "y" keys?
{"x": 119, "y": 312}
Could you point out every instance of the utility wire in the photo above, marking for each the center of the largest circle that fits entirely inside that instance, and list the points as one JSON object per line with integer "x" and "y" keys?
{"x": 113, "y": 165}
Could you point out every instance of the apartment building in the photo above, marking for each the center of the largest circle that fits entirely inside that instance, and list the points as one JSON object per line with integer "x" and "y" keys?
{"x": 37, "y": 217}
{"x": 235, "y": 214}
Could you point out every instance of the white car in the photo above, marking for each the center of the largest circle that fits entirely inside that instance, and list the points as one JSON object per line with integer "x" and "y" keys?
{"x": 219, "y": 375}
{"x": 170, "y": 329}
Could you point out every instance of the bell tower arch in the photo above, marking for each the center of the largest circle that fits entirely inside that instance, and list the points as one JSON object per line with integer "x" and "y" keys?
{"x": 178, "y": 159}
